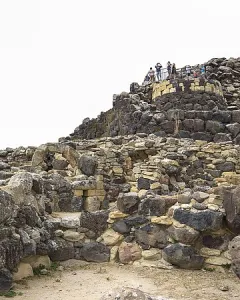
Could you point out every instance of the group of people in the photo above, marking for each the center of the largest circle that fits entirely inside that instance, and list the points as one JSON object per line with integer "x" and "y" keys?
{"x": 171, "y": 72}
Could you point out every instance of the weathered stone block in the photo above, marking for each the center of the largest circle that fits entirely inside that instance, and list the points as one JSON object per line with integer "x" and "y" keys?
{"x": 183, "y": 256}
{"x": 199, "y": 220}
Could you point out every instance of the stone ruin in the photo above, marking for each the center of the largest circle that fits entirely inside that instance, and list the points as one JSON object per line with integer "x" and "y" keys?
{"x": 154, "y": 181}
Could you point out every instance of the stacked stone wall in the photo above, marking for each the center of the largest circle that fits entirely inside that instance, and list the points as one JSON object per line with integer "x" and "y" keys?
{"x": 139, "y": 198}
{"x": 190, "y": 85}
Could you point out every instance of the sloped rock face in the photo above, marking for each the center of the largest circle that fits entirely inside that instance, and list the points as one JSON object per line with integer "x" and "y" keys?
{"x": 191, "y": 112}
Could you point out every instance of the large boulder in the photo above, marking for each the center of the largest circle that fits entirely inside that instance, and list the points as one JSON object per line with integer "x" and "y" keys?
{"x": 231, "y": 204}
{"x": 7, "y": 207}
{"x": 11, "y": 251}
{"x": 6, "y": 280}
{"x": 183, "y": 234}
{"x": 95, "y": 221}
{"x": 234, "y": 251}
{"x": 199, "y": 220}
{"x": 95, "y": 252}
{"x": 20, "y": 187}
{"x": 61, "y": 250}
{"x": 126, "y": 293}
{"x": 152, "y": 206}
{"x": 87, "y": 164}
{"x": 151, "y": 236}
{"x": 183, "y": 256}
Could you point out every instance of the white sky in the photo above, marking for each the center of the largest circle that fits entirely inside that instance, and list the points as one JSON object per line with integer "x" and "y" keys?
{"x": 62, "y": 60}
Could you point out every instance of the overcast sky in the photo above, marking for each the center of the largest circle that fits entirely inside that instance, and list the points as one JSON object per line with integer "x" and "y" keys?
{"x": 62, "y": 60}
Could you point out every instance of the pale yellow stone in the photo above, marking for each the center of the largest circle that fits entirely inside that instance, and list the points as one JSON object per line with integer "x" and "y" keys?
{"x": 90, "y": 193}
{"x": 117, "y": 170}
{"x": 100, "y": 193}
{"x": 152, "y": 254}
{"x": 114, "y": 253}
{"x": 164, "y": 220}
{"x": 101, "y": 198}
{"x": 99, "y": 177}
{"x": 209, "y": 252}
{"x": 92, "y": 204}
{"x": 24, "y": 270}
{"x": 111, "y": 237}
{"x": 134, "y": 189}
{"x": 78, "y": 193}
{"x": 37, "y": 260}
{"x": 213, "y": 207}
{"x": 155, "y": 185}
{"x": 117, "y": 215}
{"x": 99, "y": 185}
{"x": 232, "y": 177}
{"x": 142, "y": 193}
{"x": 219, "y": 261}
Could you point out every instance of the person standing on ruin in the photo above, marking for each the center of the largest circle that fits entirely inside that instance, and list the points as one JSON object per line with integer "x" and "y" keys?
{"x": 151, "y": 74}
{"x": 188, "y": 70}
{"x": 169, "y": 69}
{"x": 174, "y": 71}
{"x": 158, "y": 68}
{"x": 203, "y": 71}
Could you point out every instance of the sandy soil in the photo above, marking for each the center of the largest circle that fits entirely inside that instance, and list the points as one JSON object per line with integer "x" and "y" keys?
{"x": 91, "y": 281}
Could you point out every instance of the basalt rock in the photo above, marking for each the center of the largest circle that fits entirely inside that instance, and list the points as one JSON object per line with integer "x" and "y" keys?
{"x": 183, "y": 256}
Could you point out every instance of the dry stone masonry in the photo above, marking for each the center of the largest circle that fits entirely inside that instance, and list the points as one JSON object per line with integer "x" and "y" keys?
{"x": 117, "y": 190}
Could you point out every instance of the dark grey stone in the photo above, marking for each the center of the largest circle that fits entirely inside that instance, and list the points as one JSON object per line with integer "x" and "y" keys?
{"x": 143, "y": 183}
{"x": 186, "y": 235}
{"x": 236, "y": 116}
{"x": 152, "y": 207}
{"x": 200, "y": 220}
{"x": 233, "y": 128}
{"x": 221, "y": 138}
{"x": 6, "y": 280}
{"x": 151, "y": 236}
{"x": 95, "y": 221}
{"x": 227, "y": 166}
{"x": 87, "y": 164}
{"x": 222, "y": 116}
{"x": 128, "y": 202}
{"x": 60, "y": 250}
{"x": 183, "y": 256}
{"x": 95, "y": 252}
{"x": 201, "y": 136}
{"x": 121, "y": 227}
{"x": 214, "y": 127}
{"x": 6, "y": 207}
{"x": 231, "y": 204}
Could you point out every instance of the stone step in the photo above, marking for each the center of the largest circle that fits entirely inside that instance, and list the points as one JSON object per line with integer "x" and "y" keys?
{"x": 232, "y": 107}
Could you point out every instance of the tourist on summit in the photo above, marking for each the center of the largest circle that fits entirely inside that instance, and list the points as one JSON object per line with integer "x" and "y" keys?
{"x": 151, "y": 74}
{"x": 203, "y": 71}
{"x": 146, "y": 79}
{"x": 188, "y": 70}
{"x": 174, "y": 71}
{"x": 158, "y": 71}
{"x": 169, "y": 69}
{"x": 195, "y": 74}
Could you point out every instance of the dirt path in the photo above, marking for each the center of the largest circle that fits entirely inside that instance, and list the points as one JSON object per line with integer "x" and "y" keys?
{"x": 90, "y": 282}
